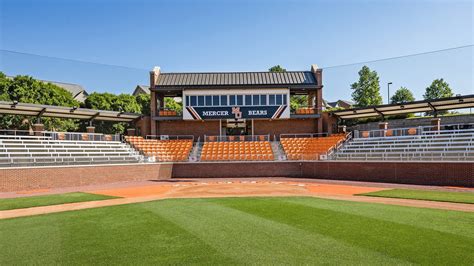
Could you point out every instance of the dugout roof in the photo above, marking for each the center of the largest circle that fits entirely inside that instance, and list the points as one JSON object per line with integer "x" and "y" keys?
{"x": 39, "y": 110}
{"x": 451, "y": 103}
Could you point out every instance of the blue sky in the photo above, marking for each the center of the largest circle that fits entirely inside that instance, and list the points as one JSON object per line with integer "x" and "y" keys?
{"x": 198, "y": 36}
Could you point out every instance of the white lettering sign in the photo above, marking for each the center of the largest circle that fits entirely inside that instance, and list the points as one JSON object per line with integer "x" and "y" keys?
{"x": 257, "y": 112}
{"x": 215, "y": 113}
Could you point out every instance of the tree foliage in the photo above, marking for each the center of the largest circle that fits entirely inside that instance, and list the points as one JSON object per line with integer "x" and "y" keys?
{"x": 144, "y": 101}
{"x": 366, "y": 91}
{"x": 172, "y": 104}
{"x": 277, "y": 68}
{"x": 402, "y": 95}
{"x": 111, "y": 102}
{"x": 438, "y": 89}
{"x": 26, "y": 89}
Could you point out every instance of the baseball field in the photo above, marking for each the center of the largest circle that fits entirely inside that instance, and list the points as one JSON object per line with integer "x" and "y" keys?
{"x": 245, "y": 230}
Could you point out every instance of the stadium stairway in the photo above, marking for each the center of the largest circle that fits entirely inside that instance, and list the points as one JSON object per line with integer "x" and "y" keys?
{"x": 43, "y": 150}
{"x": 444, "y": 145}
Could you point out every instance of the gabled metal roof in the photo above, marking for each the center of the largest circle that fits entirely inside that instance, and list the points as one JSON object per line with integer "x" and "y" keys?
{"x": 451, "y": 103}
{"x": 236, "y": 79}
{"x": 40, "y": 110}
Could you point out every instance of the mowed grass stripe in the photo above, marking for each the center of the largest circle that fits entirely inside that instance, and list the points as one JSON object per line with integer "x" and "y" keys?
{"x": 432, "y": 195}
{"x": 251, "y": 239}
{"x": 126, "y": 234}
{"x": 239, "y": 231}
{"x": 453, "y": 222}
{"x": 405, "y": 242}
{"x": 46, "y": 200}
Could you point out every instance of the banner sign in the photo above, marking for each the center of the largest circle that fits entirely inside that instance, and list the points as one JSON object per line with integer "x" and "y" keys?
{"x": 238, "y": 112}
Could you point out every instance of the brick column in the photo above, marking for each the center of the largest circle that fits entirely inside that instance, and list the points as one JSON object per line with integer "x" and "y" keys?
{"x": 436, "y": 124}
{"x": 130, "y": 132}
{"x": 38, "y": 129}
{"x": 90, "y": 129}
{"x": 318, "y": 75}
{"x": 153, "y": 80}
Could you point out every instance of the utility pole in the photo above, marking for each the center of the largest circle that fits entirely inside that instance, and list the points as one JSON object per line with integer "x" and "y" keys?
{"x": 388, "y": 92}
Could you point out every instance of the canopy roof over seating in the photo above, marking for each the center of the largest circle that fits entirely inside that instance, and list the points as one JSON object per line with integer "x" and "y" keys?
{"x": 451, "y": 103}
{"x": 39, "y": 110}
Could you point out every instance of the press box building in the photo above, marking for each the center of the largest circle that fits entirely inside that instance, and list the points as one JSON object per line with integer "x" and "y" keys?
{"x": 236, "y": 103}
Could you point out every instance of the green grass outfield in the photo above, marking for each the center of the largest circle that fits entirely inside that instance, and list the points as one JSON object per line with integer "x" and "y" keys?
{"x": 432, "y": 195}
{"x": 35, "y": 201}
{"x": 293, "y": 230}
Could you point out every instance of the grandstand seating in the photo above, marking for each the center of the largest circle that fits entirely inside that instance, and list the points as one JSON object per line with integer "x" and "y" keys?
{"x": 44, "y": 150}
{"x": 438, "y": 145}
{"x": 237, "y": 151}
{"x": 162, "y": 150}
{"x": 308, "y": 148}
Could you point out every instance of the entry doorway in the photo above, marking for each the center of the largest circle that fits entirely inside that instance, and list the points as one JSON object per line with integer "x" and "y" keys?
{"x": 232, "y": 127}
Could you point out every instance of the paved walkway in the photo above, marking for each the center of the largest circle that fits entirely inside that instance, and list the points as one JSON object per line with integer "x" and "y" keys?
{"x": 150, "y": 191}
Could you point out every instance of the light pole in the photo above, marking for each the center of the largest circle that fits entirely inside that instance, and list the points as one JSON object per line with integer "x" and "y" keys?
{"x": 388, "y": 92}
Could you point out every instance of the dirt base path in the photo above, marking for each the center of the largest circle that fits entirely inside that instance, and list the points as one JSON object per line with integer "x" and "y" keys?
{"x": 233, "y": 188}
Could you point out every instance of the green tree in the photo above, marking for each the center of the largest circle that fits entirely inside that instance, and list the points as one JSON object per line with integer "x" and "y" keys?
{"x": 438, "y": 89}
{"x": 277, "y": 68}
{"x": 402, "y": 95}
{"x": 111, "y": 102}
{"x": 367, "y": 89}
{"x": 144, "y": 101}
{"x": 26, "y": 89}
{"x": 172, "y": 104}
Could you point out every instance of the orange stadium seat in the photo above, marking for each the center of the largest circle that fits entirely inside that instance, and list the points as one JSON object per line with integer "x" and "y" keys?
{"x": 162, "y": 150}
{"x": 309, "y": 148}
{"x": 237, "y": 151}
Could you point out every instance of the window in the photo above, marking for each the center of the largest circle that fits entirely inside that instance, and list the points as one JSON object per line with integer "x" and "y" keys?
{"x": 232, "y": 100}
{"x": 200, "y": 100}
{"x": 187, "y": 101}
{"x": 263, "y": 99}
{"x": 215, "y": 100}
{"x": 278, "y": 99}
{"x": 193, "y": 100}
{"x": 208, "y": 100}
{"x": 248, "y": 99}
{"x": 240, "y": 100}
{"x": 284, "y": 98}
{"x": 256, "y": 99}
{"x": 223, "y": 100}
{"x": 271, "y": 99}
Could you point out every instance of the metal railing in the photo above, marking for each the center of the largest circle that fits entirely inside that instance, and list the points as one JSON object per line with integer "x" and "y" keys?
{"x": 237, "y": 138}
{"x": 304, "y": 135}
{"x": 413, "y": 131}
{"x": 71, "y": 136}
{"x": 170, "y": 137}
{"x": 166, "y": 112}
{"x": 305, "y": 110}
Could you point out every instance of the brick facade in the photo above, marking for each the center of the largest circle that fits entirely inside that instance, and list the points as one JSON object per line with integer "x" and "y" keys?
{"x": 31, "y": 178}
{"x": 184, "y": 127}
{"x": 419, "y": 173}
{"x": 287, "y": 126}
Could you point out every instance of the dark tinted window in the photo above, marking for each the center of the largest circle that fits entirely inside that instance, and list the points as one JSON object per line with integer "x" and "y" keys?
{"x": 240, "y": 100}
{"x": 284, "y": 98}
{"x": 256, "y": 99}
{"x": 200, "y": 100}
{"x": 208, "y": 100}
{"x": 271, "y": 99}
{"x": 215, "y": 100}
{"x": 193, "y": 100}
{"x": 232, "y": 100}
{"x": 263, "y": 99}
{"x": 224, "y": 100}
{"x": 278, "y": 99}
{"x": 248, "y": 99}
